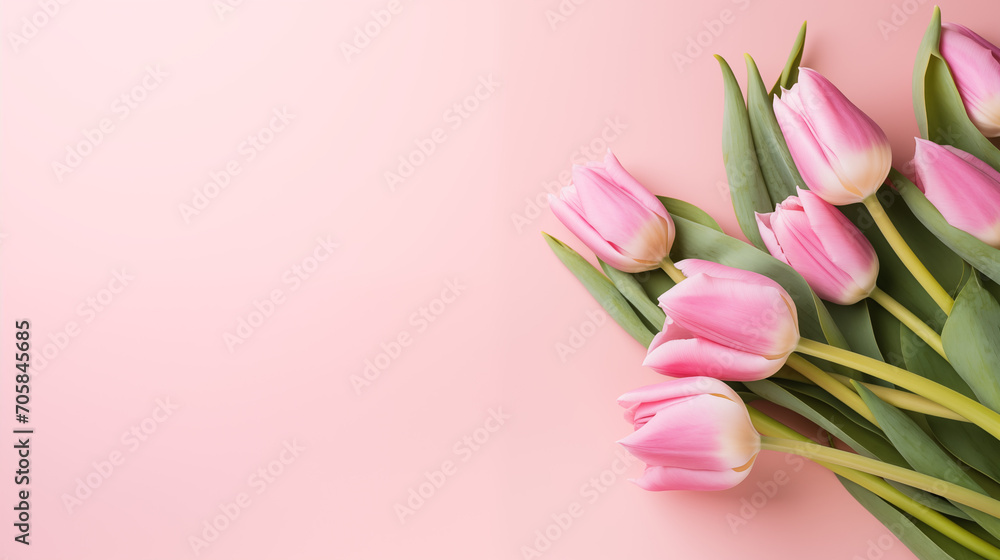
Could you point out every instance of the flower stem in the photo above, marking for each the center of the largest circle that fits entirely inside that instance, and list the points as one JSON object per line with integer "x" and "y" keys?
{"x": 672, "y": 271}
{"x": 909, "y": 258}
{"x": 975, "y": 412}
{"x": 823, "y": 379}
{"x": 905, "y": 316}
{"x": 770, "y": 427}
{"x": 945, "y": 489}
{"x": 905, "y": 400}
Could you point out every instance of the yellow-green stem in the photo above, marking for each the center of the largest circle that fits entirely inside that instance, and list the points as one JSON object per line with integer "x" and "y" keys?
{"x": 672, "y": 271}
{"x": 942, "y": 488}
{"x": 968, "y": 408}
{"x": 823, "y": 379}
{"x": 905, "y": 400}
{"x": 906, "y": 254}
{"x": 770, "y": 427}
{"x": 912, "y": 322}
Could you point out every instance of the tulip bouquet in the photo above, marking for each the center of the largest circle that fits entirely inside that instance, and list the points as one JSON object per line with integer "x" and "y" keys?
{"x": 866, "y": 300}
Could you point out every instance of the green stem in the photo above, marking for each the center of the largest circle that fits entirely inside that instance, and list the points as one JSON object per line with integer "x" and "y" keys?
{"x": 968, "y": 408}
{"x": 942, "y": 488}
{"x": 823, "y": 379}
{"x": 905, "y": 316}
{"x": 771, "y": 427}
{"x": 672, "y": 271}
{"x": 906, "y": 254}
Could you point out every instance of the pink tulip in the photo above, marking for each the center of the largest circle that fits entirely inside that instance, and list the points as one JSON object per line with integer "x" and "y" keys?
{"x": 841, "y": 153}
{"x": 622, "y": 223}
{"x": 975, "y": 65}
{"x": 820, "y": 243}
{"x": 963, "y": 188}
{"x": 693, "y": 434}
{"x": 725, "y": 323}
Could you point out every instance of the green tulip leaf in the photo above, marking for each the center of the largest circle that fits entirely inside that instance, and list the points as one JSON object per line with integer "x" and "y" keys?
{"x": 856, "y": 324}
{"x": 924, "y": 542}
{"x": 746, "y": 183}
{"x": 971, "y": 338}
{"x": 776, "y": 165}
{"x": 790, "y": 73}
{"x": 922, "y": 360}
{"x": 969, "y": 443}
{"x": 603, "y": 290}
{"x": 923, "y": 453}
{"x": 983, "y": 257}
{"x": 689, "y": 212}
{"x": 939, "y": 109}
{"x": 629, "y": 287}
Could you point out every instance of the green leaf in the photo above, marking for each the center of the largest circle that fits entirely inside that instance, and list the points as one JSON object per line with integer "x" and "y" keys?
{"x": 922, "y": 360}
{"x": 776, "y": 165}
{"x": 790, "y": 73}
{"x": 971, "y": 338}
{"x": 939, "y": 109}
{"x": 970, "y": 443}
{"x": 603, "y": 290}
{"x": 914, "y": 534}
{"x": 689, "y": 212}
{"x": 856, "y": 324}
{"x": 629, "y": 287}
{"x": 923, "y": 453}
{"x": 746, "y": 183}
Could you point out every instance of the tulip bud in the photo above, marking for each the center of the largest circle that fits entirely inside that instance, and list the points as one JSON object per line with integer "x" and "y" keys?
{"x": 724, "y": 323}
{"x": 975, "y": 66}
{"x": 616, "y": 217}
{"x": 820, "y": 243}
{"x": 962, "y": 187}
{"x": 841, "y": 153}
{"x": 693, "y": 434}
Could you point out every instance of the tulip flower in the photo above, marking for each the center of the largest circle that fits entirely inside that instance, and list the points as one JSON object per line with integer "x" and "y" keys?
{"x": 725, "y": 323}
{"x": 975, "y": 66}
{"x": 842, "y": 155}
{"x": 963, "y": 188}
{"x": 693, "y": 434}
{"x": 820, "y": 243}
{"x": 616, "y": 217}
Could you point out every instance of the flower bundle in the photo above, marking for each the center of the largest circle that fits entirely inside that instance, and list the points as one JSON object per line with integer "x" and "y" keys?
{"x": 865, "y": 301}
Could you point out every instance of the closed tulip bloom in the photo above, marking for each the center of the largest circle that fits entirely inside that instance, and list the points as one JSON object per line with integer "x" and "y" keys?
{"x": 616, "y": 217}
{"x": 841, "y": 153}
{"x": 725, "y": 323}
{"x": 962, "y": 187}
{"x": 975, "y": 65}
{"x": 820, "y": 243}
{"x": 693, "y": 434}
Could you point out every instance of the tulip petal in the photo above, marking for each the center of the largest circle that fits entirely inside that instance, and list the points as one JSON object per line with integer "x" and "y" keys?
{"x": 755, "y": 318}
{"x": 700, "y": 432}
{"x": 767, "y": 234}
{"x": 571, "y": 218}
{"x": 657, "y": 479}
{"x": 975, "y": 66}
{"x": 677, "y": 388}
{"x": 629, "y": 184}
{"x": 701, "y": 357}
{"x": 616, "y": 215}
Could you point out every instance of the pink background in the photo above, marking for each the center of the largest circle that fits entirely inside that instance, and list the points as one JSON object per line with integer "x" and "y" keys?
{"x": 494, "y": 345}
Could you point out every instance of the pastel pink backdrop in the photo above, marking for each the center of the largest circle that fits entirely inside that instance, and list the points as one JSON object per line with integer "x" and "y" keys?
{"x": 463, "y": 214}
